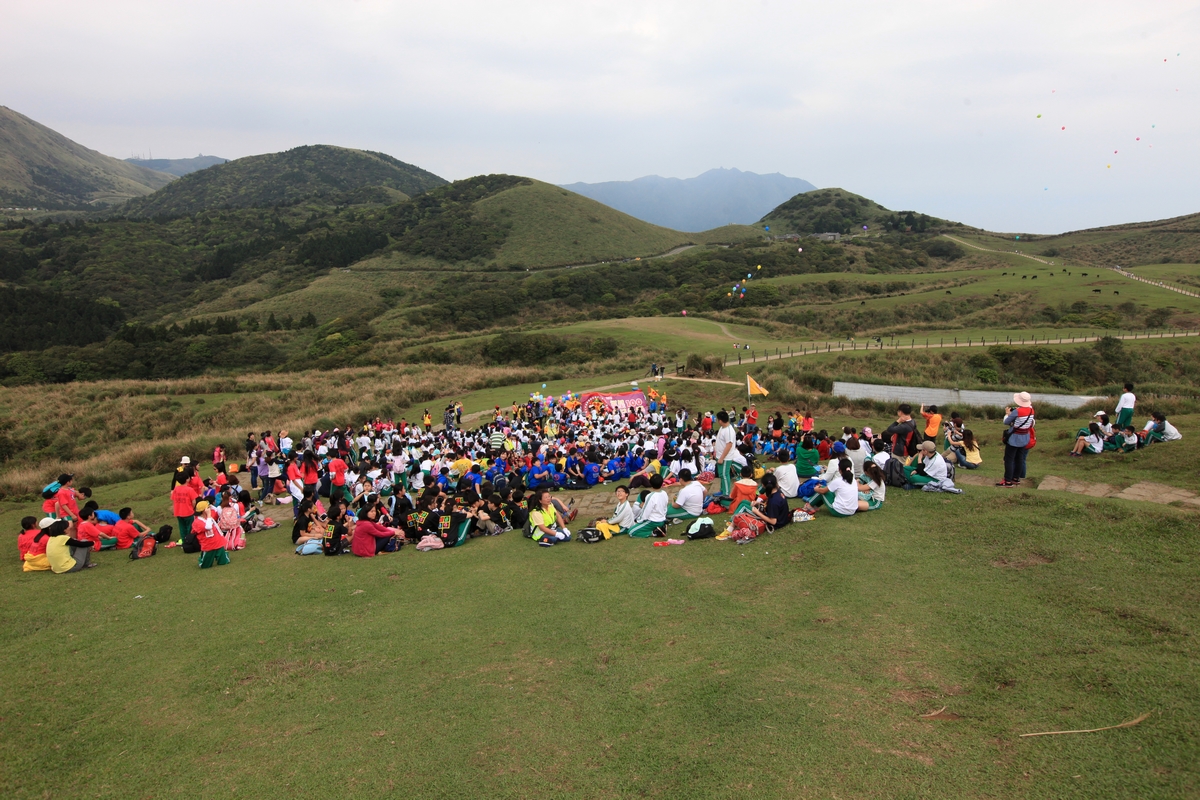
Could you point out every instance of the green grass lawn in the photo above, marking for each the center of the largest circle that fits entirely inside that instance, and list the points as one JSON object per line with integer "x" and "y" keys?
{"x": 798, "y": 665}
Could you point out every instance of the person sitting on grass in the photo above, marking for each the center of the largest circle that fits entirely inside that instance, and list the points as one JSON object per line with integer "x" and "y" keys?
{"x": 872, "y": 486}
{"x": 652, "y": 517}
{"x": 881, "y": 454}
{"x": 64, "y": 553}
{"x": 745, "y": 489}
{"x": 962, "y": 448}
{"x": 644, "y": 470}
{"x": 29, "y": 529}
{"x": 369, "y": 538}
{"x": 689, "y": 502}
{"x": 621, "y": 518}
{"x": 808, "y": 458}
{"x": 927, "y": 466}
{"x": 101, "y": 536}
{"x": 545, "y": 520}
{"x": 1128, "y": 439}
{"x": 128, "y": 529}
{"x": 1158, "y": 429}
{"x": 772, "y": 507}
{"x": 844, "y": 488}
{"x": 786, "y": 474}
{"x": 1091, "y": 442}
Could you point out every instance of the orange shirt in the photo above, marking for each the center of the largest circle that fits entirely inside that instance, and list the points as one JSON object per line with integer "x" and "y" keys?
{"x": 742, "y": 491}
{"x": 933, "y": 423}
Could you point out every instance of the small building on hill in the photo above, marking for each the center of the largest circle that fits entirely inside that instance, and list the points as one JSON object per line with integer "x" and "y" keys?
{"x": 828, "y": 237}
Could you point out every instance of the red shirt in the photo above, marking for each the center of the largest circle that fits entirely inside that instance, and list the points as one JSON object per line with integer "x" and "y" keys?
{"x": 126, "y": 532}
{"x": 91, "y": 532}
{"x": 337, "y": 469}
{"x": 37, "y": 548}
{"x": 310, "y": 474}
{"x": 207, "y": 533}
{"x": 752, "y": 417}
{"x": 66, "y": 499}
{"x": 26, "y": 539}
{"x": 365, "y": 534}
{"x": 293, "y": 472}
{"x": 48, "y": 506}
{"x": 823, "y": 449}
{"x": 183, "y": 500}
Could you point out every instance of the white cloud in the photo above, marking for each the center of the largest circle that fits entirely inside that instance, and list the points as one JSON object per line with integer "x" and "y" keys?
{"x": 917, "y": 105}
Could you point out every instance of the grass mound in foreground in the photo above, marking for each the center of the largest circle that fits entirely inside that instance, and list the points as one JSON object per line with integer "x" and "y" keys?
{"x": 799, "y": 665}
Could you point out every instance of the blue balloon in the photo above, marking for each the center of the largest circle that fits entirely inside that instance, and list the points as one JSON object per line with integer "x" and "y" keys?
{"x": 747, "y": 274}
{"x": 768, "y": 227}
{"x": 543, "y": 386}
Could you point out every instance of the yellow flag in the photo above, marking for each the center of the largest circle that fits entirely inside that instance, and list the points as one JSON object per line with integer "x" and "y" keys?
{"x": 753, "y": 387}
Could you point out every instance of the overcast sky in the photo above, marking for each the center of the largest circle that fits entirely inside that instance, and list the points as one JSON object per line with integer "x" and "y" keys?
{"x": 929, "y": 106}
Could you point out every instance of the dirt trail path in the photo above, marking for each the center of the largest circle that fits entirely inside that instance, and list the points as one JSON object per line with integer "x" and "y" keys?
{"x": 989, "y": 250}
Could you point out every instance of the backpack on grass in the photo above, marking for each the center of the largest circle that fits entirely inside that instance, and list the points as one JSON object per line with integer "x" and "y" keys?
{"x": 701, "y": 529}
{"x": 144, "y": 546}
{"x": 893, "y": 473}
{"x": 164, "y": 534}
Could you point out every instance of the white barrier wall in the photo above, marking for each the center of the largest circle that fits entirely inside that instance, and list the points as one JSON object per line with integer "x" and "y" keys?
{"x": 950, "y": 397}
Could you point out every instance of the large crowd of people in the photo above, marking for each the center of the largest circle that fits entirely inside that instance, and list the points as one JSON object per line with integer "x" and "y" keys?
{"x": 370, "y": 488}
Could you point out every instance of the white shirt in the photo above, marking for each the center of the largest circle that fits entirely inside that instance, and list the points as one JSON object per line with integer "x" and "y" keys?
{"x": 878, "y": 490}
{"x": 623, "y": 515}
{"x": 935, "y": 467}
{"x": 789, "y": 481}
{"x": 845, "y": 495}
{"x": 691, "y": 498}
{"x": 881, "y": 458}
{"x": 726, "y": 436}
{"x": 655, "y": 507}
{"x": 1126, "y": 400}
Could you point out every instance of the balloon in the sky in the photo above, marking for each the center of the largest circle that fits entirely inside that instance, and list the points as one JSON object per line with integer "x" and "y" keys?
{"x": 759, "y": 266}
{"x": 1109, "y": 166}
{"x": 1114, "y": 152}
{"x": 685, "y": 312}
{"x": 1153, "y": 126}
{"x": 1138, "y": 139}
{"x": 747, "y": 274}
{"x": 1064, "y": 127}
{"x": 1039, "y": 116}
{"x": 543, "y": 386}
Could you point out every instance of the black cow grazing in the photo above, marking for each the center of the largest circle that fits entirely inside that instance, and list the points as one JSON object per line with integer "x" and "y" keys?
{"x": 1023, "y": 277}
{"x": 1097, "y": 291}
{"x": 1115, "y": 291}
{"x": 863, "y": 303}
{"x": 1084, "y": 274}
{"x": 1034, "y": 278}
{"x": 947, "y": 291}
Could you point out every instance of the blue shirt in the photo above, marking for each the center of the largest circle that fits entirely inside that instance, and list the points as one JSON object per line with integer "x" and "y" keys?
{"x": 107, "y": 517}
{"x": 591, "y": 474}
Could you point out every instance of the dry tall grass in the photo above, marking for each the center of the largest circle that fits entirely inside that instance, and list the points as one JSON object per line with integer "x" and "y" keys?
{"x": 112, "y": 431}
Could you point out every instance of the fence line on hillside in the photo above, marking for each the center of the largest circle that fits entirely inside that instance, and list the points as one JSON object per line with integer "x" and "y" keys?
{"x": 815, "y": 348}
{"x": 1159, "y": 284}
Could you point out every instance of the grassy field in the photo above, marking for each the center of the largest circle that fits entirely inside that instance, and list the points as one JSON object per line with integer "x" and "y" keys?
{"x": 553, "y": 226}
{"x": 800, "y": 665}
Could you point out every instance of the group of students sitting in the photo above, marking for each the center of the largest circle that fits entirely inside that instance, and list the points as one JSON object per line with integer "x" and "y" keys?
{"x": 1102, "y": 436}
{"x": 66, "y": 536}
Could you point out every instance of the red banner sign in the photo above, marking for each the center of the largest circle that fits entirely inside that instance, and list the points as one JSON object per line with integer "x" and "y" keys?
{"x": 622, "y": 402}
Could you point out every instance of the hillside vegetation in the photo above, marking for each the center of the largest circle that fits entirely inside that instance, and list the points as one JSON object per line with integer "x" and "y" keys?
{"x": 42, "y": 168}
{"x": 178, "y": 166}
{"x": 839, "y": 211}
{"x": 333, "y": 175}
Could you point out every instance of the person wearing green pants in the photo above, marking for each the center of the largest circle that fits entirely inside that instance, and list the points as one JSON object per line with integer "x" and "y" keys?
{"x": 689, "y": 502}
{"x": 725, "y": 448}
{"x": 654, "y": 511}
{"x": 928, "y": 467}
{"x": 1125, "y": 405}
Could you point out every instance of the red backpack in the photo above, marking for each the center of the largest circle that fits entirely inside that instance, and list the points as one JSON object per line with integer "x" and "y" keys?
{"x": 144, "y": 546}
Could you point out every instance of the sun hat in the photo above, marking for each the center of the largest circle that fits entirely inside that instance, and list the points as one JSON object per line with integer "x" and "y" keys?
{"x": 1023, "y": 399}
{"x": 185, "y": 460}
{"x": 46, "y": 522}
{"x": 1100, "y": 413}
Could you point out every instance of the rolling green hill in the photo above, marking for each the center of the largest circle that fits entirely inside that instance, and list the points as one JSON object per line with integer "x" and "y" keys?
{"x": 839, "y": 211}
{"x": 41, "y": 168}
{"x": 178, "y": 166}
{"x": 333, "y": 175}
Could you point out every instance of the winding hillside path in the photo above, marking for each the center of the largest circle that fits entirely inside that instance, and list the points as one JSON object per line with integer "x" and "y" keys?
{"x": 989, "y": 250}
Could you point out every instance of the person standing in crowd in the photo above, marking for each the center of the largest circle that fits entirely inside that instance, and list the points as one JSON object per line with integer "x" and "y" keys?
{"x": 726, "y": 446}
{"x": 1020, "y": 421}
{"x": 1125, "y": 405}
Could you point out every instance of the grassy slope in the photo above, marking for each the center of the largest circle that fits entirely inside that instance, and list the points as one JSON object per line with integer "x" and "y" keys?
{"x": 41, "y": 167}
{"x": 285, "y": 178}
{"x": 552, "y": 226}
{"x": 824, "y": 210}
{"x": 795, "y": 666}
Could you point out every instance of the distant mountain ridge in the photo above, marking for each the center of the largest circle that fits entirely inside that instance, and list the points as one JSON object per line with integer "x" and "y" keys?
{"x": 178, "y": 166}
{"x": 715, "y": 198}
{"x": 334, "y": 175}
{"x": 41, "y": 168}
